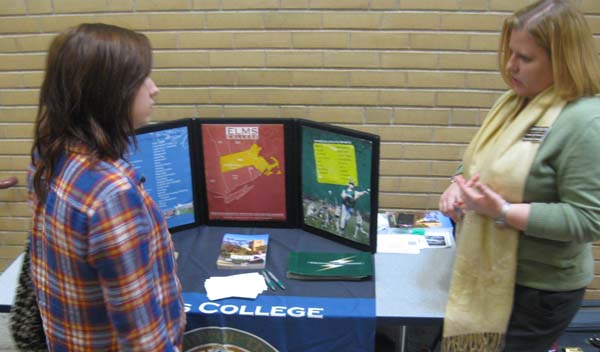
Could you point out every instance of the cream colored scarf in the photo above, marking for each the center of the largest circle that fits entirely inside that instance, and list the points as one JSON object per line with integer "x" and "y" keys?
{"x": 481, "y": 291}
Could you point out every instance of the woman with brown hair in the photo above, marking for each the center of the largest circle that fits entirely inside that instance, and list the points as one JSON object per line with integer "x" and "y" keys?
{"x": 102, "y": 259}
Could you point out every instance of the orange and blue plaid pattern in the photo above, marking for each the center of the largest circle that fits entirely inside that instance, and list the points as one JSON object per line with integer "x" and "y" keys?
{"x": 103, "y": 261}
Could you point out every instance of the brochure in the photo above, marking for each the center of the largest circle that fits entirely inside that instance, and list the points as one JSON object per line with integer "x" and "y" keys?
{"x": 243, "y": 251}
{"x": 330, "y": 266}
{"x": 403, "y": 232}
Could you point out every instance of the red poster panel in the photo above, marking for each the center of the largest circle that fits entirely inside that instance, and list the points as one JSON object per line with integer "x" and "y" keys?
{"x": 244, "y": 166}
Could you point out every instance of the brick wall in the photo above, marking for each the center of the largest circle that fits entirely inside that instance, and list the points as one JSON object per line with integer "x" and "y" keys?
{"x": 420, "y": 73}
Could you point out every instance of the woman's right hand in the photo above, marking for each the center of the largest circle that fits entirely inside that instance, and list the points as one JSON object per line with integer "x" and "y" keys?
{"x": 450, "y": 201}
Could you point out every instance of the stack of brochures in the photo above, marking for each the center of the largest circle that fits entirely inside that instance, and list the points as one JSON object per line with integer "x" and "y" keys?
{"x": 400, "y": 232}
{"x": 329, "y": 266}
{"x": 243, "y": 251}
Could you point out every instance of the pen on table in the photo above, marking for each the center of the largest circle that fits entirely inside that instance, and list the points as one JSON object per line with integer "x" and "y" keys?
{"x": 417, "y": 231}
{"x": 269, "y": 282}
{"x": 276, "y": 279}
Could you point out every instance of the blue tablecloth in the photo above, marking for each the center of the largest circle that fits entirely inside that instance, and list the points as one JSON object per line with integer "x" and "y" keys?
{"x": 307, "y": 316}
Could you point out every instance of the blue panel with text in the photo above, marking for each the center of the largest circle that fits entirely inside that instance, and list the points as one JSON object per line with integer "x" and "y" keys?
{"x": 163, "y": 157}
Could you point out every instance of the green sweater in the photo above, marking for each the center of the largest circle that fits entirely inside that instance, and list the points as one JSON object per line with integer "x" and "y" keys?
{"x": 563, "y": 188}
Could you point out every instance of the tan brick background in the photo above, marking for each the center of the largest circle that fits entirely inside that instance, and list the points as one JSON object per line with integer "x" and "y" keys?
{"x": 420, "y": 73}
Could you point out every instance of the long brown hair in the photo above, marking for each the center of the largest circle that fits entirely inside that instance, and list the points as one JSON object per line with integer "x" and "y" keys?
{"x": 93, "y": 72}
{"x": 561, "y": 29}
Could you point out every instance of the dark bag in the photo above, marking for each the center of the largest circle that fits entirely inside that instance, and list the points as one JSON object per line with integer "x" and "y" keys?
{"x": 25, "y": 321}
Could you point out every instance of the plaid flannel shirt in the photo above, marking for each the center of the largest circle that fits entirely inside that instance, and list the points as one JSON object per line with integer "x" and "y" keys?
{"x": 103, "y": 261}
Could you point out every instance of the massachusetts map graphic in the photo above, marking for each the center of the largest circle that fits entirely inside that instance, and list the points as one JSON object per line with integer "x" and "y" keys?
{"x": 244, "y": 168}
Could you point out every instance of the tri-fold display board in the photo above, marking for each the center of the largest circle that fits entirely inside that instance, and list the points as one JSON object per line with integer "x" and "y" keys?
{"x": 263, "y": 173}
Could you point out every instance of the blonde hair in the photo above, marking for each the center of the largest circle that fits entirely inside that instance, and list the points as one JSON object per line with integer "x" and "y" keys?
{"x": 561, "y": 29}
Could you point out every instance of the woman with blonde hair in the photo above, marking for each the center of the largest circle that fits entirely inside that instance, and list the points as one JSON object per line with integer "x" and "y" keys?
{"x": 527, "y": 195}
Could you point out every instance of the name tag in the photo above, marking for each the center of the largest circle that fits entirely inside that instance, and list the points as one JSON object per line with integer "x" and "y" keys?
{"x": 536, "y": 134}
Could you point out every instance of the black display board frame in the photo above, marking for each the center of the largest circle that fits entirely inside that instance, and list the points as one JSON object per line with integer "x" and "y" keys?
{"x": 293, "y": 154}
{"x": 347, "y": 142}
{"x": 193, "y": 162}
{"x": 289, "y": 170}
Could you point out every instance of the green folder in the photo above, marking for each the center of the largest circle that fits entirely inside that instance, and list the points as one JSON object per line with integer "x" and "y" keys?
{"x": 330, "y": 266}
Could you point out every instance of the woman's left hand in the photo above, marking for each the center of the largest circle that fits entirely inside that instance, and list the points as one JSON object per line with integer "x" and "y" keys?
{"x": 480, "y": 198}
